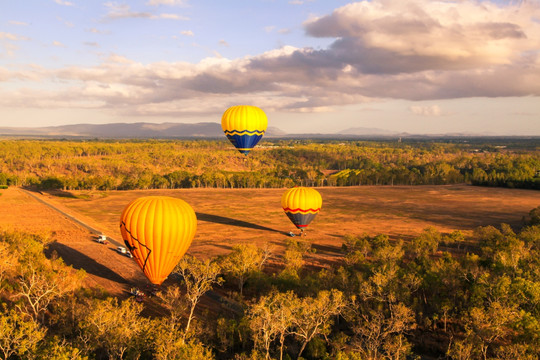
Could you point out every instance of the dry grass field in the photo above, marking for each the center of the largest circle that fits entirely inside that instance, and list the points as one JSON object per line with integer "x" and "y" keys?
{"x": 233, "y": 216}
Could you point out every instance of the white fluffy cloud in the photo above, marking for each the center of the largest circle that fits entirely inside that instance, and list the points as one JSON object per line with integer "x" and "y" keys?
{"x": 123, "y": 11}
{"x": 414, "y": 50}
{"x": 167, "y": 2}
{"x": 441, "y": 34}
{"x": 12, "y": 37}
{"x": 432, "y": 110}
{"x": 64, "y": 3}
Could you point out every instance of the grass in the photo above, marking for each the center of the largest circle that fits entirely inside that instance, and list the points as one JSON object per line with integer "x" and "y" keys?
{"x": 232, "y": 216}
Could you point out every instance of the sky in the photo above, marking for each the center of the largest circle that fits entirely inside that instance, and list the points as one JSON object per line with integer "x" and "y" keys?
{"x": 313, "y": 66}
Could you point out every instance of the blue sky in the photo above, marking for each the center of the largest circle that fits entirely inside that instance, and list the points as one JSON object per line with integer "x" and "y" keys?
{"x": 312, "y": 66}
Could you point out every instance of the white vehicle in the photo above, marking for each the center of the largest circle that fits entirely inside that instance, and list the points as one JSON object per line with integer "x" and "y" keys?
{"x": 102, "y": 239}
{"x": 122, "y": 250}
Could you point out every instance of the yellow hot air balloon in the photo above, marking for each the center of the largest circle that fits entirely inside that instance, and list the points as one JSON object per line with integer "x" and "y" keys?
{"x": 158, "y": 231}
{"x": 244, "y": 126}
{"x": 301, "y": 205}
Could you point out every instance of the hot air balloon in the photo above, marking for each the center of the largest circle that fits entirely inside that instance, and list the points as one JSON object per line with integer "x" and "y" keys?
{"x": 158, "y": 231}
{"x": 301, "y": 204}
{"x": 244, "y": 126}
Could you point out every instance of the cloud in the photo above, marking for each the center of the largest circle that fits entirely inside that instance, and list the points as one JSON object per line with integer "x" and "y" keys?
{"x": 13, "y": 37}
{"x": 169, "y": 16}
{"x": 432, "y": 110}
{"x": 394, "y": 36}
{"x": 64, "y": 3}
{"x": 123, "y": 11}
{"x": 58, "y": 44}
{"x": 8, "y": 36}
{"x": 299, "y": 2}
{"x": 223, "y": 43}
{"x": 97, "y": 31}
{"x": 382, "y": 49}
{"x": 7, "y": 44}
{"x": 187, "y": 33}
{"x": 65, "y": 22}
{"x": 18, "y": 23}
{"x": 167, "y": 2}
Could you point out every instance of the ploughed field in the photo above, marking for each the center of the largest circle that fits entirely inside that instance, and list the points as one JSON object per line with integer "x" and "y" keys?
{"x": 227, "y": 217}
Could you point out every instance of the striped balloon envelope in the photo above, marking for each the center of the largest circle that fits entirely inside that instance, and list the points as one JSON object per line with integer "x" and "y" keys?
{"x": 158, "y": 230}
{"x": 244, "y": 126}
{"x": 301, "y": 204}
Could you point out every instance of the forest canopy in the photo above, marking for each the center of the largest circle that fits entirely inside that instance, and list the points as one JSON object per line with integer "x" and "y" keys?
{"x": 160, "y": 164}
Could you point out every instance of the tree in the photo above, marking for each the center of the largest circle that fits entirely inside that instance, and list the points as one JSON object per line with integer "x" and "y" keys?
{"x": 59, "y": 349}
{"x": 312, "y": 315}
{"x": 356, "y": 249}
{"x": 115, "y": 327}
{"x": 378, "y": 330}
{"x": 427, "y": 243}
{"x": 271, "y": 317}
{"x": 8, "y": 261}
{"x": 460, "y": 350}
{"x": 534, "y": 215}
{"x": 198, "y": 277}
{"x": 489, "y": 324}
{"x": 175, "y": 301}
{"x": 244, "y": 260}
{"x": 169, "y": 344}
{"x": 40, "y": 284}
{"x": 18, "y": 334}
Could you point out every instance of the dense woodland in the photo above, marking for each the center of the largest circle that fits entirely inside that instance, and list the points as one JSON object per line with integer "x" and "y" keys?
{"x": 439, "y": 296}
{"x": 130, "y": 164}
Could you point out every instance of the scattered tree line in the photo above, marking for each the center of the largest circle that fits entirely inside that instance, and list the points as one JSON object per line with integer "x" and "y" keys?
{"x": 130, "y": 164}
{"x": 440, "y": 295}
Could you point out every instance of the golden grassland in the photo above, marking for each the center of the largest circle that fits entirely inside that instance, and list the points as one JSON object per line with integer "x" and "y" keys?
{"x": 230, "y": 216}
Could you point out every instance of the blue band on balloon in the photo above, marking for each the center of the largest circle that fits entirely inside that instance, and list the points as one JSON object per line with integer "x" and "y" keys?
{"x": 244, "y": 143}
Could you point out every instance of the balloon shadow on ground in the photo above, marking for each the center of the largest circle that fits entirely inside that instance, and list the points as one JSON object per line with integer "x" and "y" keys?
{"x": 234, "y": 222}
{"x": 328, "y": 249}
{"x": 79, "y": 260}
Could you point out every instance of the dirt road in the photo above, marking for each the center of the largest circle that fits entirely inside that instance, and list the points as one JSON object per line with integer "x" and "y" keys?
{"x": 73, "y": 238}
{"x": 43, "y": 199}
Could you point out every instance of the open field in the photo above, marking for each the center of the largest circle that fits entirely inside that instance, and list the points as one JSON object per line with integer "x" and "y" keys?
{"x": 232, "y": 216}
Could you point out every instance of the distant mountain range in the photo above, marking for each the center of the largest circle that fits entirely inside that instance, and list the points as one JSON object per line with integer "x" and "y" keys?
{"x": 127, "y": 130}
{"x": 199, "y": 130}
